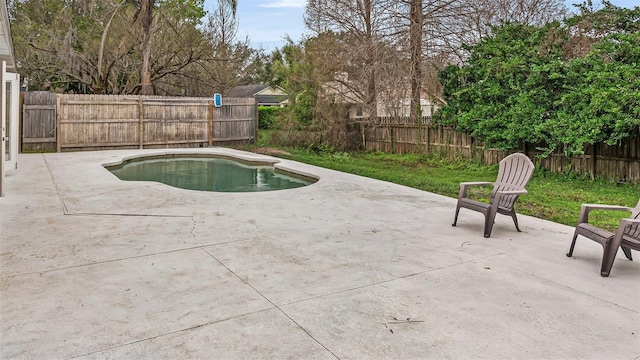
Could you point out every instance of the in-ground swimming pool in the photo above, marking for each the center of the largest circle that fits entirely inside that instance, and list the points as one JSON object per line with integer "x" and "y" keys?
{"x": 208, "y": 173}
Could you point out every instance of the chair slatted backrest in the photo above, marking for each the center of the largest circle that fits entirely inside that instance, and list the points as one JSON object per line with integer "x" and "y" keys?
{"x": 514, "y": 173}
{"x": 633, "y": 231}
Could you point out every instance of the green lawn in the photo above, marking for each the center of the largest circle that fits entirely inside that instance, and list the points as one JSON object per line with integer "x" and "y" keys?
{"x": 555, "y": 197}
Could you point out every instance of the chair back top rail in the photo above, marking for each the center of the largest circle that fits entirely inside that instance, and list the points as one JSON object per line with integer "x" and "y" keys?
{"x": 514, "y": 173}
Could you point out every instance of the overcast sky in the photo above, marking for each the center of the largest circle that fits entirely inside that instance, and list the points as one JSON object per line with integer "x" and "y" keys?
{"x": 268, "y": 22}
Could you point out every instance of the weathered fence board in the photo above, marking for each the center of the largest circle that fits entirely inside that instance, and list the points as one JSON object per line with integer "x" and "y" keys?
{"x": 620, "y": 162}
{"x": 94, "y": 122}
{"x": 38, "y": 121}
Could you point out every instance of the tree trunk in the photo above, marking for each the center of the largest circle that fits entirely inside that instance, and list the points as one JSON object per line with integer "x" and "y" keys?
{"x": 371, "y": 102}
{"x": 146, "y": 19}
{"x": 416, "y": 18}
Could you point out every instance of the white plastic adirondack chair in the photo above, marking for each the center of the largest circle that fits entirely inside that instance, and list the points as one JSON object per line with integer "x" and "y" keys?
{"x": 627, "y": 235}
{"x": 514, "y": 173}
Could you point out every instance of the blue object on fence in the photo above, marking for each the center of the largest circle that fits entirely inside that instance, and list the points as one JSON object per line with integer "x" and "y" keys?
{"x": 217, "y": 100}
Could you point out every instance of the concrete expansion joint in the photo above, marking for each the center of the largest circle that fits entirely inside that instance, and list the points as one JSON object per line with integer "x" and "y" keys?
{"x": 168, "y": 334}
{"x": 133, "y": 215}
{"x": 55, "y": 185}
{"x": 65, "y": 209}
{"x": 275, "y": 306}
{"x": 598, "y": 298}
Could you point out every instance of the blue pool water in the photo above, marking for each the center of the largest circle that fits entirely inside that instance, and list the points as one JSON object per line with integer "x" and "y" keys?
{"x": 208, "y": 174}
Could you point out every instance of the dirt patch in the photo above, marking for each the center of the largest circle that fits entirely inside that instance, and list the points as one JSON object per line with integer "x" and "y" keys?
{"x": 270, "y": 151}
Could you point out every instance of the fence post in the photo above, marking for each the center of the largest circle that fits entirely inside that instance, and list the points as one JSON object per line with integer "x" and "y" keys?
{"x": 256, "y": 123}
{"x": 20, "y": 120}
{"x": 58, "y": 123}
{"x": 210, "y": 120}
{"x": 427, "y": 141}
{"x": 592, "y": 170}
{"x": 418, "y": 134}
{"x": 140, "y": 123}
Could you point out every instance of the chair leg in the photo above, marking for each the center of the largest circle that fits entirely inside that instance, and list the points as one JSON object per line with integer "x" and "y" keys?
{"x": 455, "y": 218}
{"x": 627, "y": 252}
{"x": 608, "y": 257}
{"x": 515, "y": 220}
{"x": 607, "y": 262}
{"x": 573, "y": 243}
{"x": 489, "y": 220}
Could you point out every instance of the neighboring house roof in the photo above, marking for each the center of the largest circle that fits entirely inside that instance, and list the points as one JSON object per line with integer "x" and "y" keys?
{"x": 264, "y": 94}
{"x": 6, "y": 45}
{"x": 245, "y": 90}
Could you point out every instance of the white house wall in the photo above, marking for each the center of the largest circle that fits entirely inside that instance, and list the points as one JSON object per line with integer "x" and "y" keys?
{"x": 6, "y": 45}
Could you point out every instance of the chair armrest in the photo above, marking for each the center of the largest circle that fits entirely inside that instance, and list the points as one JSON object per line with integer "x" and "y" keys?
{"x": 606, "y": 207}
{"x": 587, "y": 208}
{"x": 466, "y": 185}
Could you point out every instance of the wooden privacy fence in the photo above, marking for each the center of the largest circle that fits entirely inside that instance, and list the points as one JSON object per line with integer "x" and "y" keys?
{"x": 38, "y": 121}
{"x": 98, "y": 122}
{"x": 620, "y": 162}
{"x": 92, "y": 122}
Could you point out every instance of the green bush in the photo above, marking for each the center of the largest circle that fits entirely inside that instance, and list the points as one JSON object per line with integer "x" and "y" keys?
{"x": 297, "y": 137}
{"x": 267, "y": 116}
{"x": 521, "y": 86}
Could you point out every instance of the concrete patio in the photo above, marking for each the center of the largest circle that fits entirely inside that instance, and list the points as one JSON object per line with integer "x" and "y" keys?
{"x": 347, "y": 268}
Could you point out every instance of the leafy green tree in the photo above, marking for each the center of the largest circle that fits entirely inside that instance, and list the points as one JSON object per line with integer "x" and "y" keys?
{"x": 529, "y": 84}
{"x": 292, "y": 68}
{"x": 488, "y": 97}
{"x": 601, "y": 101}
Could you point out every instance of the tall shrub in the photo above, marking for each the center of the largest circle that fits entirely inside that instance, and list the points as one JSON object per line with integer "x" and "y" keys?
{"x": 267, "y": 117}
{"x": 491, "y": 96}
{"x": 521, "y": 85}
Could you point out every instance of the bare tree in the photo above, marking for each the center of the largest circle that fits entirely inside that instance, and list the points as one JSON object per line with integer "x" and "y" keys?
{"x": 372, "y": 39}
{"x": 471, "y": 21}
{"x": 228, "y": 57}
{"x": 435, "y": 32}
{"x": 144, "y": 18}
{"x": 416, "y": 22}
{"x": 422, "y": 16}
{"x": 360, "y": 27}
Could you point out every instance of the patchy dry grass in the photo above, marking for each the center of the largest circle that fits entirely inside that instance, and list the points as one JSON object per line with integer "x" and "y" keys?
{"x": 555, "y": 197}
